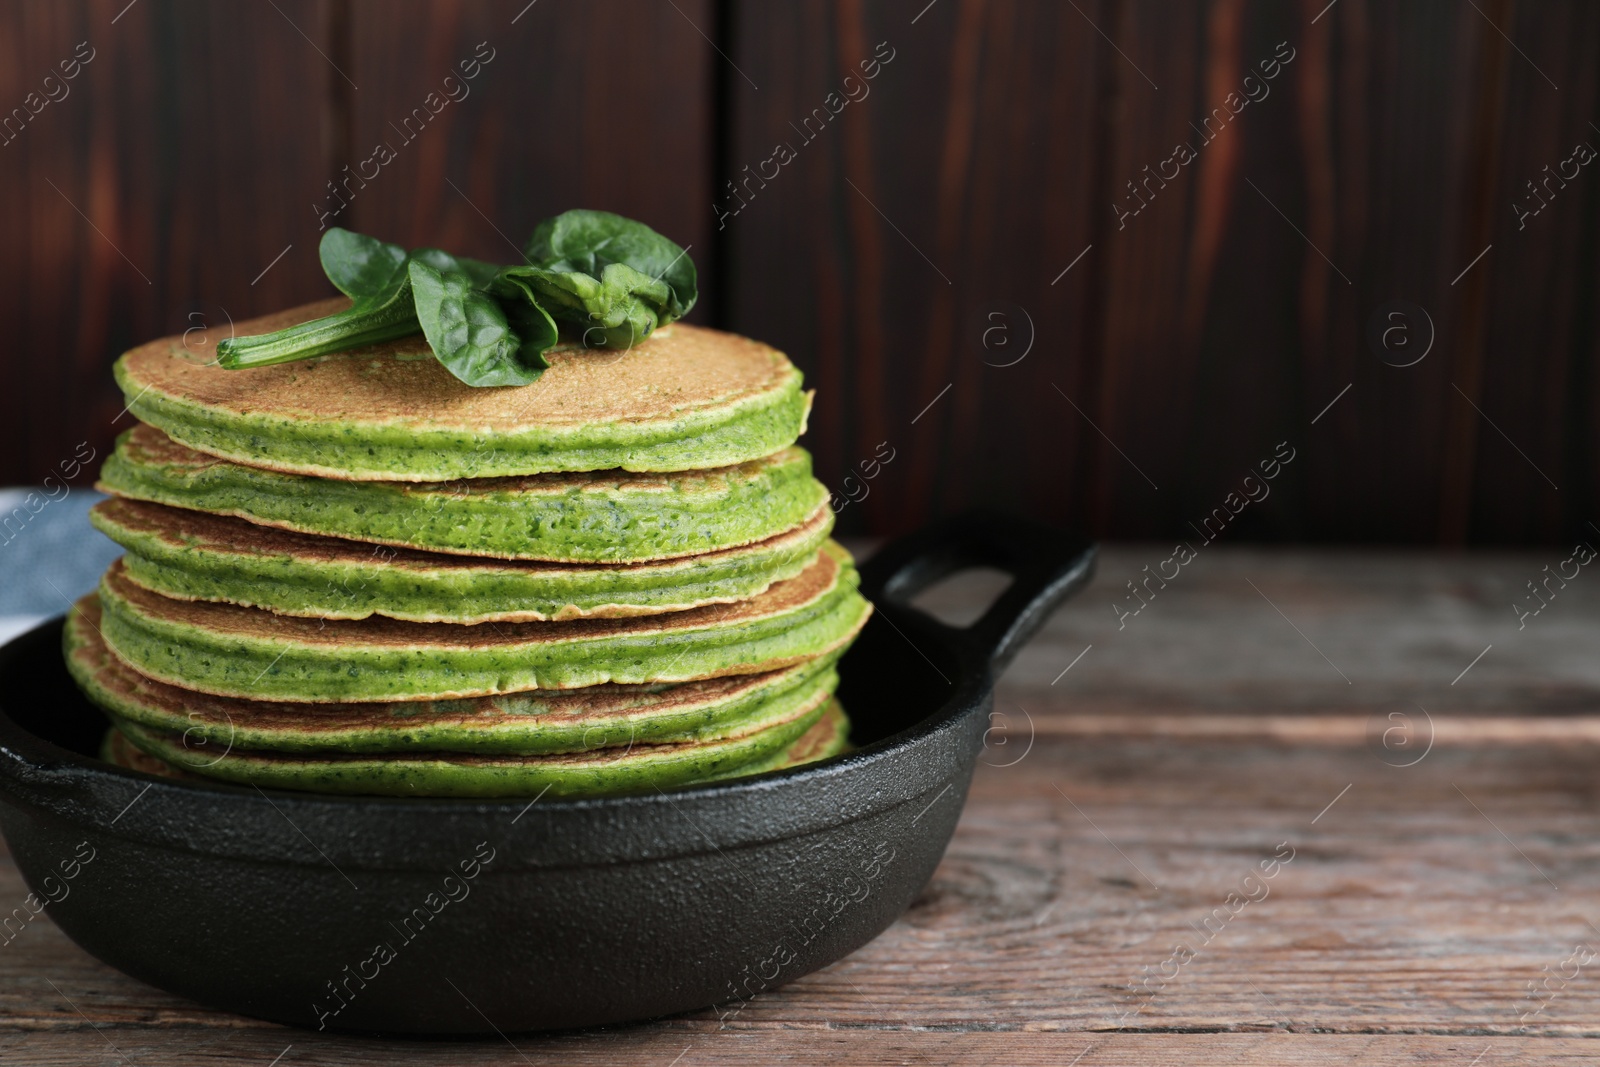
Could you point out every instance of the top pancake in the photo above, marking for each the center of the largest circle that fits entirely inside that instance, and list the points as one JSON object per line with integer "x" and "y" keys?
{"x": 686, "y": 398}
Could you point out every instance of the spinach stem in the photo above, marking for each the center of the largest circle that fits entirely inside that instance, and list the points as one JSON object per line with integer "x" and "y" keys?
{"x": 346, "y": 329}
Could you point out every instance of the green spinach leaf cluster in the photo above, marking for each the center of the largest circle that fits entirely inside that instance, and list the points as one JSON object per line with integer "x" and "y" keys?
{"x": 589, "y": 276}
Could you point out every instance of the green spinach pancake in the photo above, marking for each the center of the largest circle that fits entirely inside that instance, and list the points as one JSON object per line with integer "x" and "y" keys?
{"x": 597, "y": 517}
{"x": 192, "y": 555}
{"x": 602, "y": 772}
{"x": 519, "y": 724}
{"x": 230, "y": 650}
{"x": 684, "y": 398}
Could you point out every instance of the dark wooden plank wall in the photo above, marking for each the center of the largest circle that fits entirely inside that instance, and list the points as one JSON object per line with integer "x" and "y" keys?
{"x": 1197, "y": 334}
{"x": 170, "y": 171}
{"x": 604, "y": 104}
{"x": 199, "y": 144}
{"x": 906, "y": 251}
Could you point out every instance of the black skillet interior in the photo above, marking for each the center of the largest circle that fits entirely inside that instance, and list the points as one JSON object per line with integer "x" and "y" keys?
{"x": 593, "y": 912}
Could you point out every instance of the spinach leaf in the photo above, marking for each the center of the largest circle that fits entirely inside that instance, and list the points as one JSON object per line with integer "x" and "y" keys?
{"x": 372, "y": 274}
{"x": 360, "y": 266}
{"x": 600, "y": 270}
{"x": 616, "y": 310}
{"x": 480, "y": 272}
{"x": 472, "y": 333}
{"x": 606, "y": 279}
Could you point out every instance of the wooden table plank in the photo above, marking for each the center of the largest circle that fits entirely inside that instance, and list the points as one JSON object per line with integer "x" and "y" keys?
{"x": 1160, "y": 771}
{"x": 1401, "y": 626}
{"x": 821, "y": 1048}
{"x": 1403, "y": 909}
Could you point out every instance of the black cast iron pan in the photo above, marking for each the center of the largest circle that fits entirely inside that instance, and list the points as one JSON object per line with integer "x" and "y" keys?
{"x": 460, "y": 917}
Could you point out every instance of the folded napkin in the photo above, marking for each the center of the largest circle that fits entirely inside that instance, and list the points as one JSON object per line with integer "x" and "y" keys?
{"x": 49, "y": 554}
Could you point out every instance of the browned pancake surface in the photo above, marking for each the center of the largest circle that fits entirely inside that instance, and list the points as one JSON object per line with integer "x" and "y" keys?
{"x": 125, "y": 753}
{"x": 146, "y": 445}
{"x": 815, "y": 742}
{"x": 182, "y": 528}
{"x": 380, "y": 632}
{"x": 677, "y": 370}
{"x": 596, "y": 702}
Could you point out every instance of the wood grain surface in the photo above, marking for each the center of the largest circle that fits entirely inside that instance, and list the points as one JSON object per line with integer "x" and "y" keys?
{"x": 1324, "y": 636}
{"x": 932, "y": 222}
{"x": 953, "y": 257}
{"x": 1425, "y": 878}
{"x": 605, "y": 104}
{"x": 147, "y": 200}
{"x": 181, "y": 182}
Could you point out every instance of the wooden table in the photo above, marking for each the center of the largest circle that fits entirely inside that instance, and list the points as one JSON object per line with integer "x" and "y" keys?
{"x": 1443, "y": 860}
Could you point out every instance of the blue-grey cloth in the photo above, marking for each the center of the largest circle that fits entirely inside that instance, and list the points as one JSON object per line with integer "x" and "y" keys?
{"x": 49, "y": 554}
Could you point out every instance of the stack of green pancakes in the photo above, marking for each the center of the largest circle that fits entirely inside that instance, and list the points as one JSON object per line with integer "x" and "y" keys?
{"x": 355, "y": 574}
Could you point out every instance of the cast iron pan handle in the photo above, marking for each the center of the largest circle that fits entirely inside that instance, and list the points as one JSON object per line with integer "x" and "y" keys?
{"x": 1046, "y": 567}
